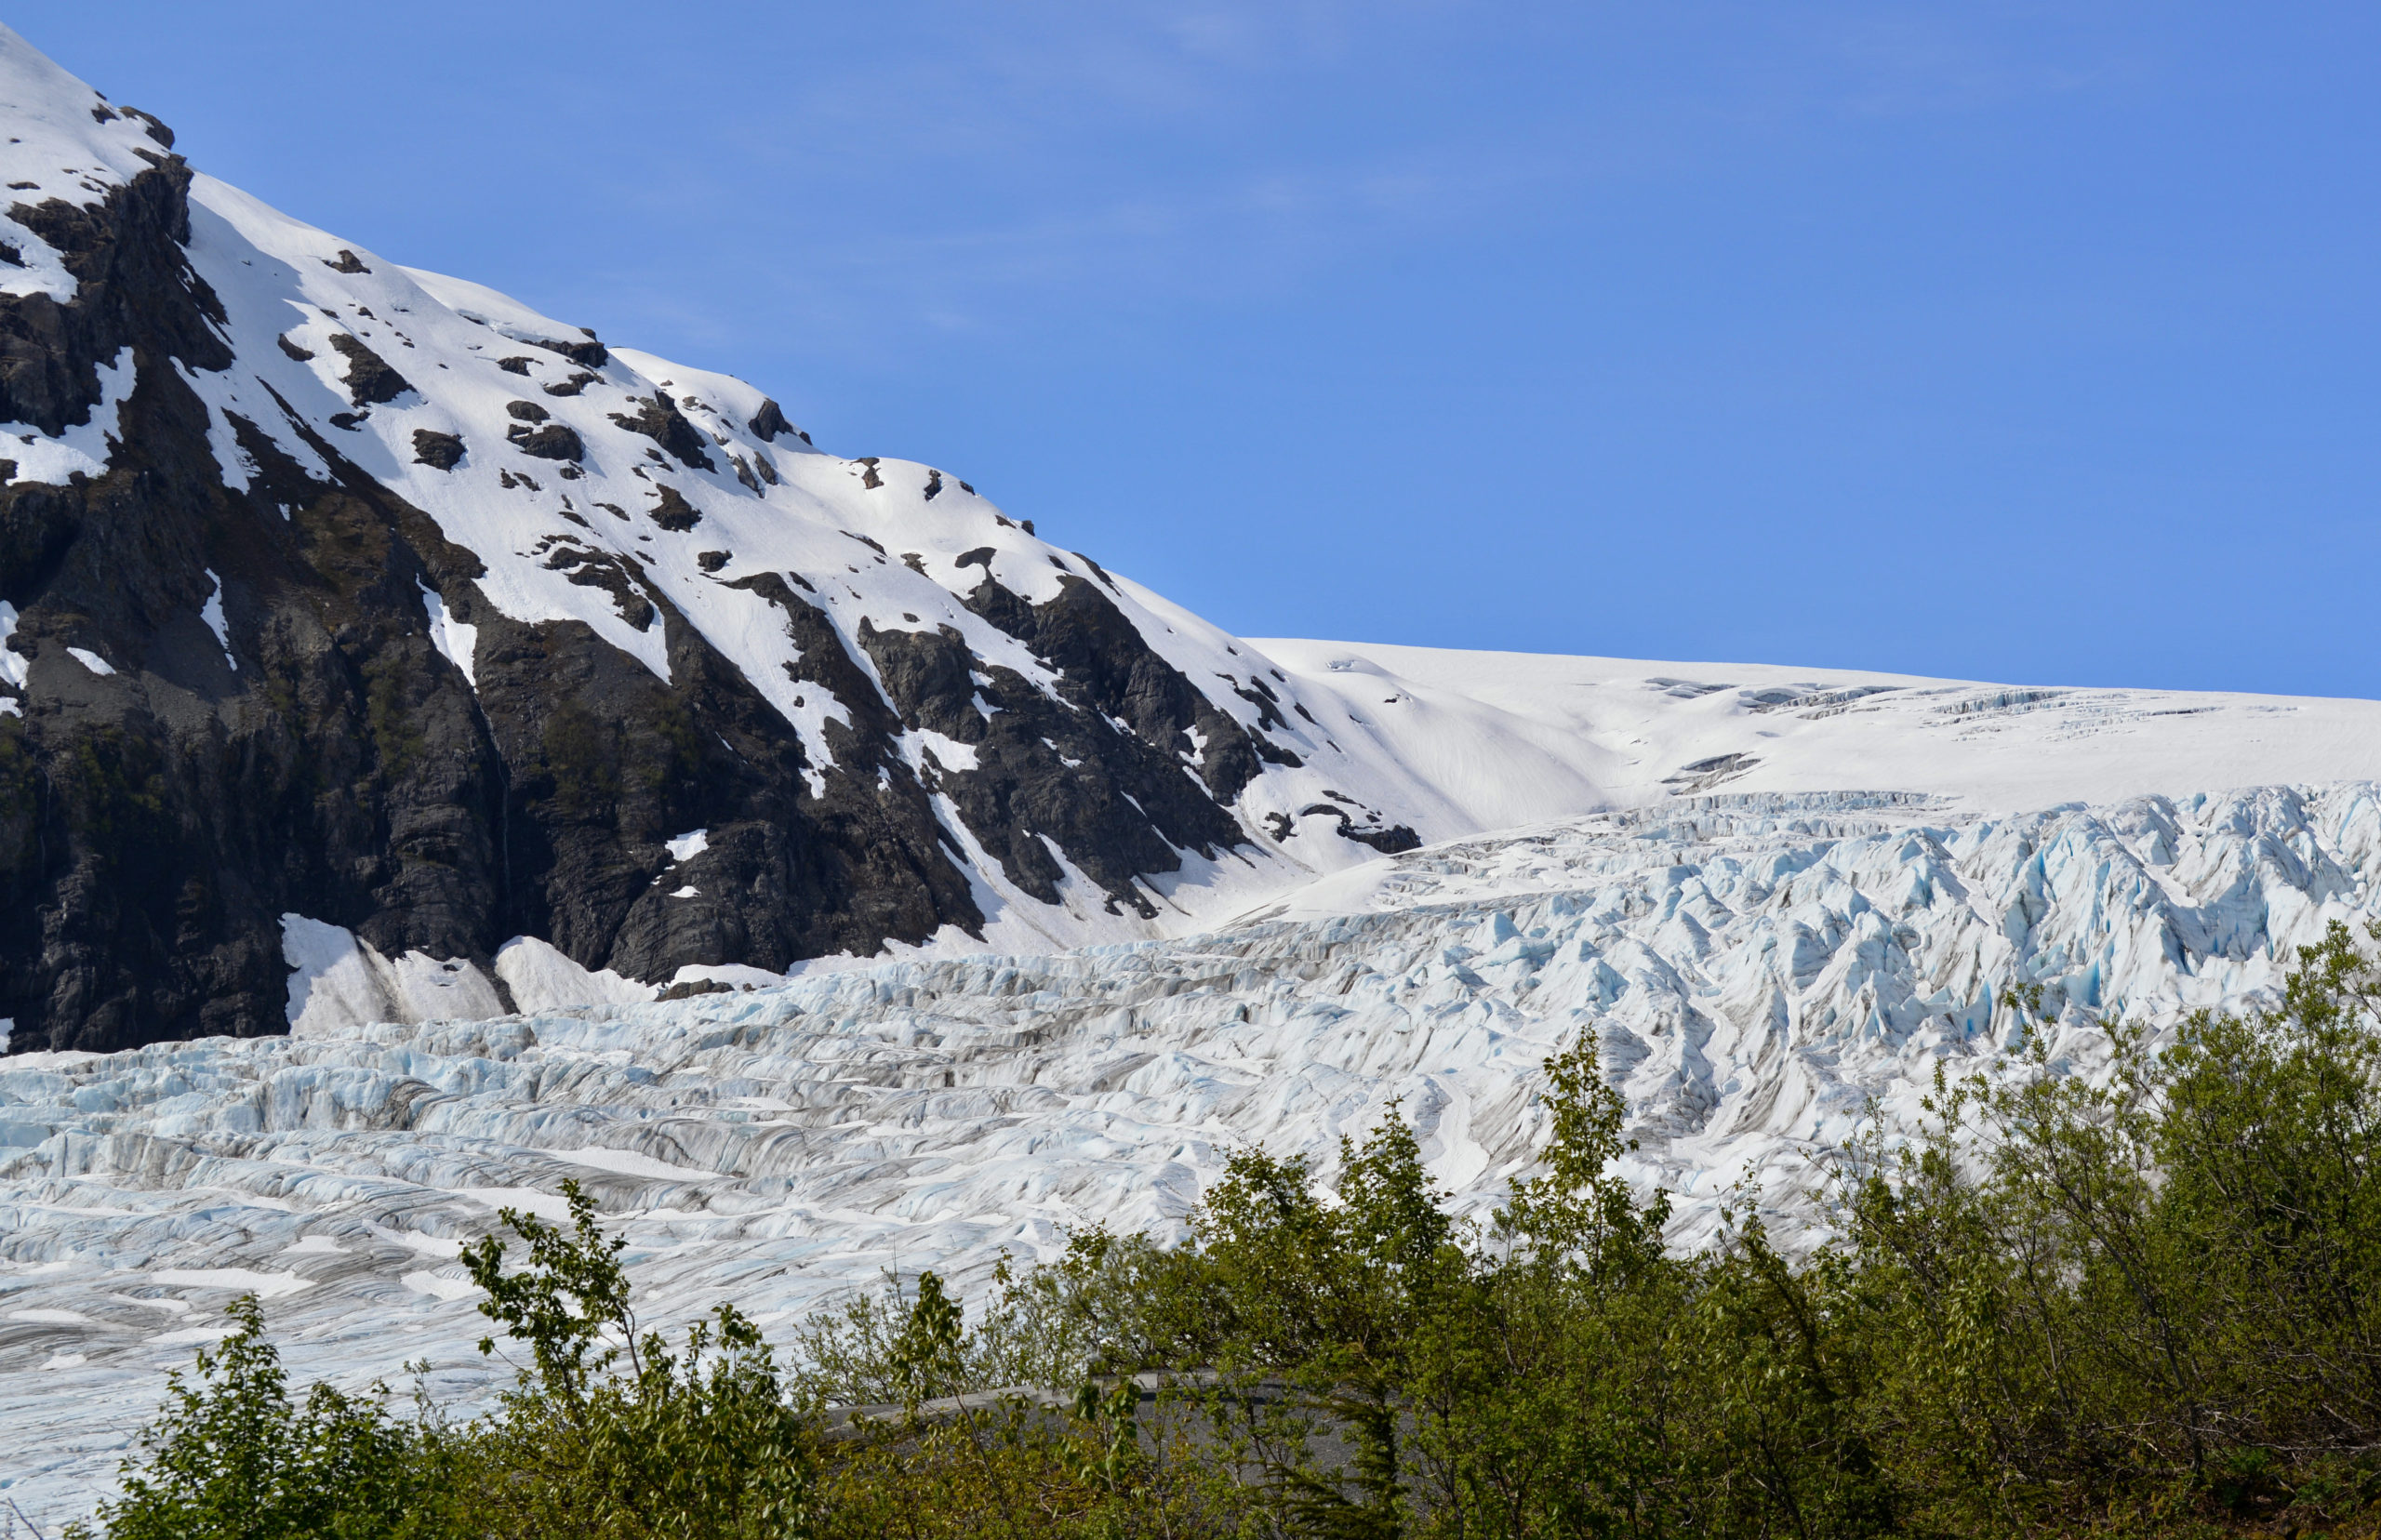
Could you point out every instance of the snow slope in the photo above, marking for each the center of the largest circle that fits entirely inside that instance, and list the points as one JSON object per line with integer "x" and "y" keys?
{"x": 1511, "y": 738}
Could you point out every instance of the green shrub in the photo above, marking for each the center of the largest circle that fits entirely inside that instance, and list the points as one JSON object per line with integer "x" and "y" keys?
{"x": 230, "y": 1458}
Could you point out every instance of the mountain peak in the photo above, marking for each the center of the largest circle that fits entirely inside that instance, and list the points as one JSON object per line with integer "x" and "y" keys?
{"x": 345, "y": 591}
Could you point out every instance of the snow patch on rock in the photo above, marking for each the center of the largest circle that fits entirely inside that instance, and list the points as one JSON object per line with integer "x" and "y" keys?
{"x": 541, "y": 978}
{"x": 80, "y": 450}
{"x": 339, "y": 982}
{"x": 212, "y": 613}
{"x": 14, "y": 664}
{"x": 456, "y": 642}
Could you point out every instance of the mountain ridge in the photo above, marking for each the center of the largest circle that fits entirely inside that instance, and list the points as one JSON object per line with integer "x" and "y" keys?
{"x": 371, "y": 596}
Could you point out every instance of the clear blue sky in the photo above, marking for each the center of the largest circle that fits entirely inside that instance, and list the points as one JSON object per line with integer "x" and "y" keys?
{"x": 2014, "y": 342}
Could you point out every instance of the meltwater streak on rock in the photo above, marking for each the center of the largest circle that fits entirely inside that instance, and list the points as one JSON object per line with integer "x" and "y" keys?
{"x": 1755, "y": 970}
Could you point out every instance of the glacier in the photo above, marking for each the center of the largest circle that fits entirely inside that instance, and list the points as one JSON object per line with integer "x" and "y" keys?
{"x": 1762, "y": 972}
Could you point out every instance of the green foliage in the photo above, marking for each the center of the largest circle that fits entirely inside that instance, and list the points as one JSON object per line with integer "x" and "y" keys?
{"x": 2152, "y": 1296}
{"x": 688, "y": 1446}
{"x": 682, "y": 1447}
{"x": 230, "y": 1458}
{"x": 389, "y": 690}
{"x": 1058, "y": 1324}
{"x": 573, "y": 1293}
{"x": 583, "y": 756}
{"x": 2147, "y": 1302}
{"x": 1578, "y": 1208}
{"x": 115, "y": 795}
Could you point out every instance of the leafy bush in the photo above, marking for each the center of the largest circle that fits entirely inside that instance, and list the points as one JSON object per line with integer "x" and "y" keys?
{"x": 230, "y": 1458}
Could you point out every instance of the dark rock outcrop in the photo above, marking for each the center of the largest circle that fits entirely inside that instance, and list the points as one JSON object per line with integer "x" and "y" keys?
{"x": 674, "y": 512}
{"x": 1110, "y": 671}
{"x": 1392, "y": 840}
{"x": 155, "y": 823}
{"x": 769, "y": 421}
{"x": 370, "y": 381}
{"x": 658, "y": 417}
{"x": 583, "y": 350}
{"x": 442, "y": 451}
{"x": 310, "y": 746}
{"x": 553, "y": 441}
{"x": 1119, "y": 803}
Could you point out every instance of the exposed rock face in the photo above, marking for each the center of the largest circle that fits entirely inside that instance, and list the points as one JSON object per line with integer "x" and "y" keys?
{"x": 407, "y": 648}
{"x": 660, "y": 419}
{"x": 370, "y": 381}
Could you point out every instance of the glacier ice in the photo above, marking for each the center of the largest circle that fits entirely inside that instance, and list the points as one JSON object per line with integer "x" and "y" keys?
{"x": 1758, "y": 971}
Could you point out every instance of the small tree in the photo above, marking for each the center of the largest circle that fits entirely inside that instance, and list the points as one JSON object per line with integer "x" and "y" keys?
{"x": 700, "y": 1447}
{"x": 230, "y": 1458}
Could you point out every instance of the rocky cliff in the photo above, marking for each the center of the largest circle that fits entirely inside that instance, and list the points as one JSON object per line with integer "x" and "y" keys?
{"x": 336, "y": 591}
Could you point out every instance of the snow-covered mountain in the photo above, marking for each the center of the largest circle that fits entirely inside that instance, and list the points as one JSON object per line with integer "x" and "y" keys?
{"x": 352, "y": 592}
{"x": 366, "y": 621}
{"x": 441, "y": 753}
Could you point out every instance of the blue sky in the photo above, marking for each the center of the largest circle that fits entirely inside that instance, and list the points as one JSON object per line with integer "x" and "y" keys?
{"x": 2008, "y": 341}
